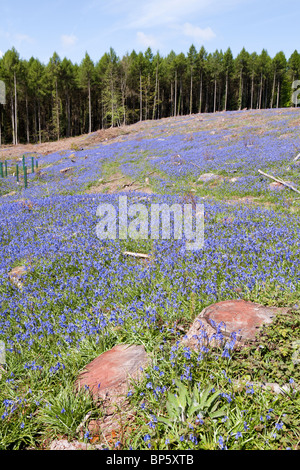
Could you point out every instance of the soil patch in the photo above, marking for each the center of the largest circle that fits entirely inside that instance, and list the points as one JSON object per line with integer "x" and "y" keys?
{"x": 71, "y": 143}
{"x": 117, "y": 183}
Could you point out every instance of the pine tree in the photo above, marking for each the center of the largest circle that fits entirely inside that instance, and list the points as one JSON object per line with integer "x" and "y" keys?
{"x": 54, "y": 71}
{"x": 86, "y": 77}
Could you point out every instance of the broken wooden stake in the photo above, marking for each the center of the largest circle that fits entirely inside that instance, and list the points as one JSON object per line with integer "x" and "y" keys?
{"x": 64, "y": 170}
{"x": 279, "y": 181}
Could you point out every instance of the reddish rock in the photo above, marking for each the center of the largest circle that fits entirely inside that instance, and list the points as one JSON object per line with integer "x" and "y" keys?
{"x": 108, "y": 375}
{"x": 239, "y": 316}
{"x": 276, "y": 185}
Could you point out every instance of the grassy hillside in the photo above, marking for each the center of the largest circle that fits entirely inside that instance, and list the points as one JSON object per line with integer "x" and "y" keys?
{"x": 82, "y": 296}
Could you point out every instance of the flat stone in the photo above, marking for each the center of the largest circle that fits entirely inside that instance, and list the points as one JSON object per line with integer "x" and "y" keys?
{"x": 107, "y": 376}
{"x": 64, "y": 444}
{"x": 231, "y": 316}
{"x": 209, "y": 177}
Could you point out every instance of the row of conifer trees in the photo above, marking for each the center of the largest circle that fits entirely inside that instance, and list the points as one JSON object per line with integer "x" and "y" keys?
{"x": 61, "y": 99}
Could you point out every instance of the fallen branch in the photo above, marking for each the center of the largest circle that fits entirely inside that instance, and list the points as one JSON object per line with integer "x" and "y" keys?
{"x": 114, "y": 179}
{"x": 129, "y": 184}
{"x": 136, "y": 255}
{"x": 198, "y": 166}
{"x": 296, "y": 158}
{"x": 64, "y": 170}
{"x": 279, "y": 181}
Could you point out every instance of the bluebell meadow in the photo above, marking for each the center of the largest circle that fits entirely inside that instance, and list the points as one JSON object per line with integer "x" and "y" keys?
{"x": 82, "y": 296}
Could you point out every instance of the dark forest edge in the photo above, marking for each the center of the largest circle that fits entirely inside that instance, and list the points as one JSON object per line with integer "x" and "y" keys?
{"x": 60, "y": 99}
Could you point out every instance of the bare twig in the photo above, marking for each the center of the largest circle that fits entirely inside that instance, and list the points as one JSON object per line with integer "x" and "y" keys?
{"x": 296, "y": 158}
{"x": 128, "y": 184}
{"x": 136, "y": 255}
{"x": 115, "y": 179}
{"x": 279, "y": 181}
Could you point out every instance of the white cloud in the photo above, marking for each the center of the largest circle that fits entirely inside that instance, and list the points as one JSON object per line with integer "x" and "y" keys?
{"x": 146, "y": 39}
{"x": 23, "y": 38}
{"x": 167, "y": 12}
{"x": 160, "y": 12}
{"x": 68, "y": 40}
{"x": 198, "y": 34}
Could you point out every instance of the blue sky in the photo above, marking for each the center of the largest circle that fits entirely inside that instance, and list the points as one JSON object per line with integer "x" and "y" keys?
{"x": 71, "y": 28}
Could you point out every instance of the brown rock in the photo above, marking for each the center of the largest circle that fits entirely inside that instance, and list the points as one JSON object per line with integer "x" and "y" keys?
{"x": 108, "y": 375}
{"x": 239, "y": 316}
{"x": 276, "y": 185}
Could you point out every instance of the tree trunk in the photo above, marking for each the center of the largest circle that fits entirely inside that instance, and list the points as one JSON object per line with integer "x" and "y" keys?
{"x": 90, "y": 107}
{"x": 34, "y": 120}
{"x": 16, "y": 110}
{"x": 172, "y": 100}
{"x": 141, "y": 97}
{"x": 260, "y": 91}
{"x": 175, "y": 94}
{"x": 57, "y": 110}
{"x": 273, "y": 90}
{"x": 200, "y": 99}
{"x": 68, "y": 115}
{"x": 278, "y": 91}
{"x": 13, "y": 120}
{"x": 215, "y": 95}
{"x": 252, "y": 90}
{"x": 191, "y": 92}
{"x": 158, "y": 113}
{"x": 155, "y": 92}
{"x": 39, "y": 120}
{"x": 112, "y": 95}
{"x": 180, "y": 99}
{"x": 241, "y": 90}
{"x": 27, "y": 120}
{"x": 226, "y": 92}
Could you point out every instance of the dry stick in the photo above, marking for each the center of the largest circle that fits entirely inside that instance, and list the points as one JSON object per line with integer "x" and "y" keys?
{"x": 137, "y": 255}
{"x": 129, "y": 184}
{"x": 191, "y": 163}
{"x": 296, "y": 158}
{"x": 115, "y": 179}
{"x": 279, "y": 181}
